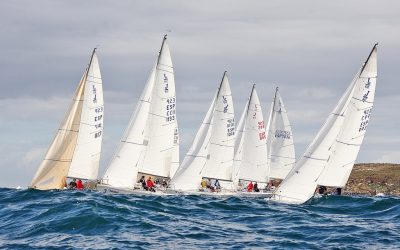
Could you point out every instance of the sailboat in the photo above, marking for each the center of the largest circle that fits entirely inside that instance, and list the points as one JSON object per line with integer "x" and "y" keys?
{"x": 250, "y": 161}
{"x": 281, "y": 152}
{"x": 150, "y": 144}
{"x": 211, "y": 154}
{"x": 75, "y": 150}
{"x": 330, "y": 157}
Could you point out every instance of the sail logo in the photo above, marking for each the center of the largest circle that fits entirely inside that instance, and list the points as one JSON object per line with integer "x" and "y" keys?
{"x": 368, "y": 84}
{"x": 365, "y": 96}
{"x": 283, "y": 134}
{"x": 261, "y": 125}
{"x": 262, "y": 136}
{"x": 166, "y": 83}
{"x": 94, "y": 91}
{"x": 225, "y": 101}
{"x": 365, "y": 120}
{"x": 230, "y": 127}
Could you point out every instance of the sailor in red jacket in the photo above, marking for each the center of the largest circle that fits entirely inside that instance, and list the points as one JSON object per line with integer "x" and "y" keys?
{"x": 250, "y": 187}
{"x": 150, "y": 184}
{"x": 79, "y": 184}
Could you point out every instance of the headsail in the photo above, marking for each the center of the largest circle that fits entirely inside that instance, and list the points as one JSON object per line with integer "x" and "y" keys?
{"x": 345, "y": 125}
{"x": 251, "y": 156}
{"x": 281, "y": 152}
{"x": 150, "y": 142}
{"x": 86, "y": 160}
{"x": 348, "y": 143}
{"x": 211, "y": 154}
{"x": 219, "y": 164}
{"x": 82, "y": 124}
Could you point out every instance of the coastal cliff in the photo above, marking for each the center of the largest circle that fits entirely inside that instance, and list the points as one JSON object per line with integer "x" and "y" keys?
{"x": 374, "y": 178}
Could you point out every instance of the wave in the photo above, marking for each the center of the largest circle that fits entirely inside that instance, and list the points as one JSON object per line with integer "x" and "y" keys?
{"x": 89, "y": 219}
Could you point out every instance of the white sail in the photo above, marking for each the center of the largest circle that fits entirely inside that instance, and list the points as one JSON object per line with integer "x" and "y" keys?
{"x": 175, "y": 152}
{"x": 161, "y": 125}
{"x": 281, "y": 152}
{"x": 237, "y": 159}
{"x": 348, "y": 143}
{"x": 213, "y": 146}
{"x": 188, "y": 175}
{"x": 219, "y": 164}
{"x": 252, "y": 162}
{"x": 300, "y": 184}
{"x": 85, "y": 163}
{"x": 149, "y": 143}
{"x": 123, "y": 168}
{"x": 55, "y": 167}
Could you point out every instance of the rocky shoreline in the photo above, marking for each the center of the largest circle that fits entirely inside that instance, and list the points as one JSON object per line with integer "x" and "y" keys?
{"x": 373, "y": 179}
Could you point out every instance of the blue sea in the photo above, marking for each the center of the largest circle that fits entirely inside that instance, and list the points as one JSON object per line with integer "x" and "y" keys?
{"x": 31, "y": 219}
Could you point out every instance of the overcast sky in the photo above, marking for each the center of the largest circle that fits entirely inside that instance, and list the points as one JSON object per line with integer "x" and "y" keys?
{"x": 310, "y": 49}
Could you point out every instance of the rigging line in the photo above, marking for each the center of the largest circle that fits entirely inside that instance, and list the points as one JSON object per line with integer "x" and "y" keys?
{"x": 348, "y": 144}
{"x": 312, "y": 158}
{"x": 135, "y": 143}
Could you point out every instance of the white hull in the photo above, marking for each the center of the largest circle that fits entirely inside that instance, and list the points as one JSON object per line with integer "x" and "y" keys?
{"x": 197, "y": 192}
{"x": 114, "y": 190}
{"x": 254, "y": 194}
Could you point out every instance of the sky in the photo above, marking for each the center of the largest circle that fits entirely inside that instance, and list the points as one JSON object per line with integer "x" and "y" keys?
{"x": 310, "y": 49}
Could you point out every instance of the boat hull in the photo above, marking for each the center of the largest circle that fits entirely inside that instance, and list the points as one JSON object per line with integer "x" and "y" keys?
{"x": 107, "y": 189}
{"x": 254, "y": 194}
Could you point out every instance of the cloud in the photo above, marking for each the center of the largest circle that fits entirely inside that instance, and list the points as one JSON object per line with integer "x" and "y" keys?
{"x": 310, "y": 50}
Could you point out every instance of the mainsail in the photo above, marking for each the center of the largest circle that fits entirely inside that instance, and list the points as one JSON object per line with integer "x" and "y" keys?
{"x": 331, "y": 155}
{"x": 151, "y": 142}
{"x": 251, "y": 155}
{"x": 211, "y": 154}
{"x": 75, "y": 150}
{"x": 281, "y": 153}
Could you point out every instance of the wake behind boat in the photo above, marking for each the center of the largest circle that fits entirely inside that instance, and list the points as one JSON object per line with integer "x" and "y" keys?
{"x": 75, "y": 150}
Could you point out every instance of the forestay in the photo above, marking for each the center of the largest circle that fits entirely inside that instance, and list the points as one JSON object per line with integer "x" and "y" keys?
{"x": 346, "y": 125}
{"x": 251, "y": 156}
{"x": 75, "y": 150}
{"x": 281, "y": 152}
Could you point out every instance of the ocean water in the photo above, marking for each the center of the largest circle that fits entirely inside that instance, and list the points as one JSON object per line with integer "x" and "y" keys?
{"x": 31, "y": 219}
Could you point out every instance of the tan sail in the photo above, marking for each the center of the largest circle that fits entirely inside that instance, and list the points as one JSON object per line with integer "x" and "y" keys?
{"x": 54, "y": 168}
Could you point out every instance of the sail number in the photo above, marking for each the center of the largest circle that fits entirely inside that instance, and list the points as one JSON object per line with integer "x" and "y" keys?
{"x": 170, "y": 109}
{"x": 282, "y": 134}
{"x": 97, "y": 119}
{"x": 230, "y": 127}
{"x": 261, "y": 133}
{"x": 365, "y": 120}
